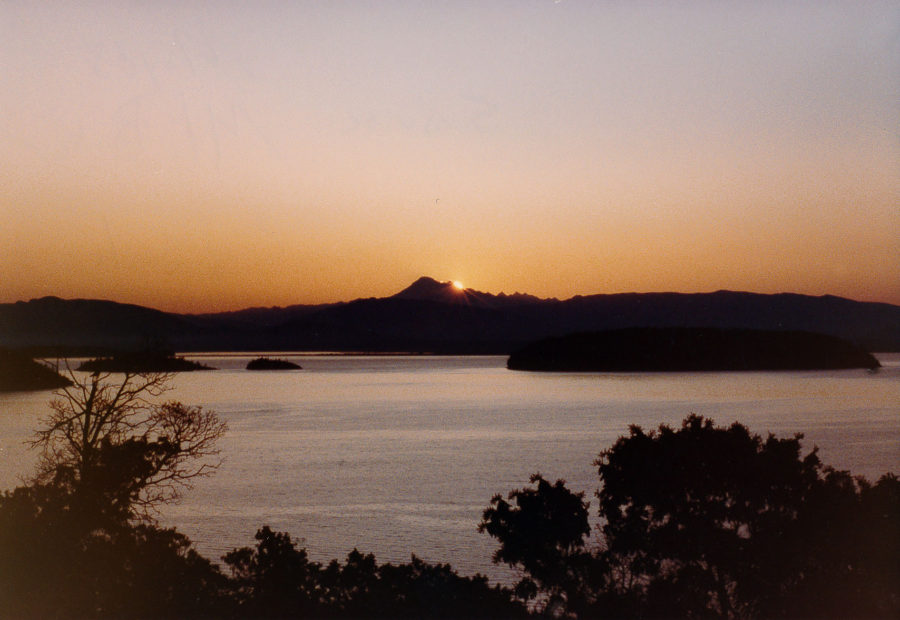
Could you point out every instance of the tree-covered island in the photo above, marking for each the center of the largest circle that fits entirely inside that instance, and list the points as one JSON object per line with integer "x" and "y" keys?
{"x": 685, "y": 349}
{"x": 268, "y": 363}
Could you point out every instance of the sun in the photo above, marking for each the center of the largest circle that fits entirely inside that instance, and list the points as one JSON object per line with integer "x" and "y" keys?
{"x": 458, "y": 285}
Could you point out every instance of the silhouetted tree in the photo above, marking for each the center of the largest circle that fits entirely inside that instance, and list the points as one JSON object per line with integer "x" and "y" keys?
{"x": 709, "y": 521}
{"x": 276, "y": 580}
{"x": 717, "y": 519}
{"x": 419, "y": 589}
{"x": 353, "y": 590}
{"x": 543, "y": 531}
{"x": 117, "y": 452}
{"x": 53, "y": 564}
{"x": 79, "y": 541}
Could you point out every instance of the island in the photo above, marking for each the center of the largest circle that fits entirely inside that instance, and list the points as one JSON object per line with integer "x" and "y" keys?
{"x": 686, "y": 349}
{"x": 142, "y": 362}
{"x": 265, "y": 363}
{"x": 18, "y": 372}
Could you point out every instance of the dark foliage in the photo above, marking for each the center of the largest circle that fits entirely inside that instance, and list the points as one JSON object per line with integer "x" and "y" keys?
{"x": 706, "y": 521}
{"x": 747, "y": 527}
{"x": 56, "y": 563}
{"x": 117, "y": 455}
{"x": 274, "y": 580}
{"x": 543, "y": 530}
{"x": 79, "y": 542}
{"x": 277, "y": 580}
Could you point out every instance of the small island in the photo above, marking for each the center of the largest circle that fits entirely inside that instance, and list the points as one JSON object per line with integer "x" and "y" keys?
{"x": 141, "y": 362}
{"x": 18, "y": 372}
{"x": 265, "y": 363}
{"x": 690, "y": 349}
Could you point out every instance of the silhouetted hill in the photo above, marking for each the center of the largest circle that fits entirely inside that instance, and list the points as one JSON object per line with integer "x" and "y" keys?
{"x": 654, "y": 349}
{"x": 79, "y": 324}
{"x": 397, "y": 324}
{"x": 874, "y": 326}
{"x": 435, "y": 317}
{"x": 417, "y": 319}
{"x": 260, "y": 316}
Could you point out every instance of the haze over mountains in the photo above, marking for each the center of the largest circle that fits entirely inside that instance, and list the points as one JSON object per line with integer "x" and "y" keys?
{"x": 432, "y": 316}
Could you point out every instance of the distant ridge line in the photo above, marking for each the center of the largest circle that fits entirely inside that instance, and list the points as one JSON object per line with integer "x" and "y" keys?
{"x": 434, "y": 316}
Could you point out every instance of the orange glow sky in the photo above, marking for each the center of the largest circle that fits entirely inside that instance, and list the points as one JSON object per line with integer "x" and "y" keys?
{"x": 221, "y": 155}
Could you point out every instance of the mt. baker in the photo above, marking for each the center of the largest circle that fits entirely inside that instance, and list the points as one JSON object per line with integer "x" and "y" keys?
{"x": 431, "y": 316}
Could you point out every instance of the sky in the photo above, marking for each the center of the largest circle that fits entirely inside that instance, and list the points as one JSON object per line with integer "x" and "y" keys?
{"x": 202, "y": 156}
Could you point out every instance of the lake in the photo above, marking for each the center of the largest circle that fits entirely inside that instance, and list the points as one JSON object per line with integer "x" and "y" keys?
{"x": 400, "y": 454}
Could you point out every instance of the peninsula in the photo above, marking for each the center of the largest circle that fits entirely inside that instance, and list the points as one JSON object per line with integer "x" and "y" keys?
{"x": 142, "y": 362}
{"x": 18, "y": 372}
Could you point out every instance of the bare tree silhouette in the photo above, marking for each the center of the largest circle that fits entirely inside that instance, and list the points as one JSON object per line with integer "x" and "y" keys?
{"x": 120, "y": 452}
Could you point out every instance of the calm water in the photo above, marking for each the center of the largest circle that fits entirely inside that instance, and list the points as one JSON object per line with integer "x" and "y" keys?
{"x": 400, "y": 455}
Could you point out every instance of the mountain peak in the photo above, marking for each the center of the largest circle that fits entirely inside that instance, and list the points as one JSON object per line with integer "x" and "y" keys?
{"x": 430, "y": 289}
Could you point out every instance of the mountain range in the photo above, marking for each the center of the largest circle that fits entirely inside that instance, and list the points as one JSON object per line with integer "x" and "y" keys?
{"x": 430, "y": 316}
